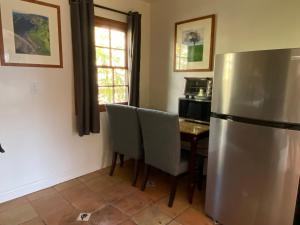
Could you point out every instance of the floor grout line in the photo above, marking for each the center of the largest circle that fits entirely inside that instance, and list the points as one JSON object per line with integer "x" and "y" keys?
{"x": 121, "y": 177}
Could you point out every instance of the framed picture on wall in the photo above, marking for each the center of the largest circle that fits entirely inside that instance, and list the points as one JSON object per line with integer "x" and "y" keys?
{"x": 30, "y": 34}
{"x": 194, "y": 44}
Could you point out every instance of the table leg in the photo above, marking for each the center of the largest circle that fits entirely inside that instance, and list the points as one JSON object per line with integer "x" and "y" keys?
{"x": 192, "y": 169}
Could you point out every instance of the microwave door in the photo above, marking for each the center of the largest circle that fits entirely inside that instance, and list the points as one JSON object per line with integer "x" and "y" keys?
{"x": 195, "y": 110}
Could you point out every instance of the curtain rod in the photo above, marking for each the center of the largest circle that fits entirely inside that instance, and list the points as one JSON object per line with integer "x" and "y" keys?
{"x": 110, "y": 9}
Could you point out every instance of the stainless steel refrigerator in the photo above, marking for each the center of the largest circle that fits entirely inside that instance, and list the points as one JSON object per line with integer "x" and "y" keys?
{"x": 254, "y": 148}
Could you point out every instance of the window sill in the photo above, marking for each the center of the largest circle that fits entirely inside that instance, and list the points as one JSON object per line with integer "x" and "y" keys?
{"x": 102, "y": 108}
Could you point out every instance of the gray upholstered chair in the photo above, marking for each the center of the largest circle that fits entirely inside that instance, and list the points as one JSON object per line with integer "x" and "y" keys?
{"x": 125, "y": 135}
{"x": 162, "y": 146}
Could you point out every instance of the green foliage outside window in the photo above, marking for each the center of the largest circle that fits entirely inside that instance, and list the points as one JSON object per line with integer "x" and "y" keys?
{"x": 111, "y": 63}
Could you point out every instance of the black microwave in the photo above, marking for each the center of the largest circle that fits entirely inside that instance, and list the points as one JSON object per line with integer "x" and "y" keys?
{"x": 195, "y": 110}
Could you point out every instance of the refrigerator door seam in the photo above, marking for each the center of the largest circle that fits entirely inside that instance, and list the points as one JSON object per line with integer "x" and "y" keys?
{"x": 282, "y": 125}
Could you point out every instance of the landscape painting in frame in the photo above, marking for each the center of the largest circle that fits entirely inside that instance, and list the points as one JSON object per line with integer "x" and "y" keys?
{"x": 194, "y": 44}
{"x": 30, "y": 34}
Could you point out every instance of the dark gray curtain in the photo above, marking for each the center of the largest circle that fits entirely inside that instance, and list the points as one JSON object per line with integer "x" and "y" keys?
{"x": 85, "y": 76}
{"x": 134, "y": 57}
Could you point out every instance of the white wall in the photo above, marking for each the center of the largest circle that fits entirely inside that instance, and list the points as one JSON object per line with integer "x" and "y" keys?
{"x": 37, "y": 118}
{"x": 36, "y": 104}
{"x": 242, "y": 25}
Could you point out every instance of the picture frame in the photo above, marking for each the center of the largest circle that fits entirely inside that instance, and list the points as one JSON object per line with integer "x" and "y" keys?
{"x": 30, "y": 34}
{"x": 194, "y": 44}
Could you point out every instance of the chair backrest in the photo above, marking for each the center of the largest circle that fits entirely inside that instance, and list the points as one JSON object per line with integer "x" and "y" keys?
{"x": 125, "y": 130}
{"x": 161, "y": 139}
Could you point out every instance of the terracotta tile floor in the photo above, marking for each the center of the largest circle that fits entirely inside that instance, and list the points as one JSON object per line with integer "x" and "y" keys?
{"x": 111, "y": 200}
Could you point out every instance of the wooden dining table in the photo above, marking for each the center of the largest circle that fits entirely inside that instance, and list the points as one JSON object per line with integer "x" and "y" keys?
{"x": 192, "y": 132}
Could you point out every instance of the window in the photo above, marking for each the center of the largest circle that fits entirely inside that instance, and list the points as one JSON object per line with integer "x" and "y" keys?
{"x": 111, "y": 60}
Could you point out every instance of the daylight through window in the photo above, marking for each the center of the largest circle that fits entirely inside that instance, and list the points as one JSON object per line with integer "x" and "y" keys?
{"x": 111, "y": 59}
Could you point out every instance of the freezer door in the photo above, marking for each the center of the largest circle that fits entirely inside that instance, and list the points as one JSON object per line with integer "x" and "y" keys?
{"x": 253, "y": 174}
{"x": 261, "y": 85}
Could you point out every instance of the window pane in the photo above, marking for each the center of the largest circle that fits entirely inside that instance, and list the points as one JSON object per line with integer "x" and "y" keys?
{"x": 121, "y": 94}
{"x": 102, "y": 36}
{"x": 117, "y": 39}
{"x": 105, "y": 95}
{"x": 118, "y": 58}
{"x": 102, "y": 57}
{"x": 120, "y": 77}
{"x": 105, "y": 77}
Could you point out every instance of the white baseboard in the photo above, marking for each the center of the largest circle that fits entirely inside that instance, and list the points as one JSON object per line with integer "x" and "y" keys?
{"x": 44, "y": 183}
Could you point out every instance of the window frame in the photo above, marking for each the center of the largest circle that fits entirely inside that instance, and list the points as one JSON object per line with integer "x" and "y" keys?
{"x": 120, "y": 26}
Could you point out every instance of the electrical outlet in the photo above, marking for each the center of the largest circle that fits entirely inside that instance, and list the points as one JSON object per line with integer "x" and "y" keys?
{"x": 34, "y": 88}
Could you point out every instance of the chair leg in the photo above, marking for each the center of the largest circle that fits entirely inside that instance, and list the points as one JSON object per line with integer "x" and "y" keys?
{"x": 196, "y": 180}
{"x": 146, "y": 176}
{"x": 121, "y": 160}
{"x": 136, "y": 171}
{"x": 114, "y": 162}
{"x": 173, "y": 191}
{"x": 191, "y": 193}
{"x": 200, "y": 183}
{"x": 200, "y": 175}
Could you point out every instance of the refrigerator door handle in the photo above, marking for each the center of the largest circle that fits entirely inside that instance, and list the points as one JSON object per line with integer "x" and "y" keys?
{"x": 230, "y": 119}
